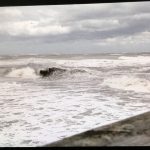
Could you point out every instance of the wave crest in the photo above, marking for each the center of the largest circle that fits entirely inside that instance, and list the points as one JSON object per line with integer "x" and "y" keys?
{"x": 25, "y": 72}
{"x": 34, "y": 73}
{"x": 130, "y": 83}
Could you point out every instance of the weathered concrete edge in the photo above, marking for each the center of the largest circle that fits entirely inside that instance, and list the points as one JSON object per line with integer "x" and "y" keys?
{"x": 132, "y": 128}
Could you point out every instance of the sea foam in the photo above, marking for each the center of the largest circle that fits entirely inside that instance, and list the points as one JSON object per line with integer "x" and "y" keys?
{"x": 25, "y": 72}
{"x": 130, "y": 83}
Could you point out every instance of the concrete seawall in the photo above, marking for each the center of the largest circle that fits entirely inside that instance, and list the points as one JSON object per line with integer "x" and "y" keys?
{"x": 133, "y": 131}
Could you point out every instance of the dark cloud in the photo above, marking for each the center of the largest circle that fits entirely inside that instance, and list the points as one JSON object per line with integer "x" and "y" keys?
{"x": 131, "y": 27}
{"x": 72, "y": 23}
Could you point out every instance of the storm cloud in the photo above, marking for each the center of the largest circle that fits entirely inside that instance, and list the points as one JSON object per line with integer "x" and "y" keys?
{"x": 82, "y": 28}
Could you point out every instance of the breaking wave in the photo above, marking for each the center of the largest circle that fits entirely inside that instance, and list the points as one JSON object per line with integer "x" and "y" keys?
{"x": 34, "y": 73}
{"x": 128, "y": 83}
{"x": 26, "y": 72}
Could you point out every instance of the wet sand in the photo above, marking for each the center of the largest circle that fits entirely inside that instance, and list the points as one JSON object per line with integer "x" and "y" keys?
{"x": 133, "y": 131}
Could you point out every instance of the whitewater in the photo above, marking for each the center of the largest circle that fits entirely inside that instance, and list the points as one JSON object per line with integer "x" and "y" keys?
{"x": 95, "y": 90}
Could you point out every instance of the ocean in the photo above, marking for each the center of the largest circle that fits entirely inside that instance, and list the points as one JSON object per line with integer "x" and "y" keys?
{"x": 94, "y": 90}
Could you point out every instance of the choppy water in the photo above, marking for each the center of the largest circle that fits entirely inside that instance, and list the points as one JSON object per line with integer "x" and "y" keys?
{"x": 95, "y": 90}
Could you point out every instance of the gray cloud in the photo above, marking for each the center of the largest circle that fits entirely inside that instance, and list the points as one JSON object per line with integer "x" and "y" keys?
{"x": 67, "y": 24}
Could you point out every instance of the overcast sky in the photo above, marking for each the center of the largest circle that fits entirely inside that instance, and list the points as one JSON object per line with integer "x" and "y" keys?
{"x": 90, "y": 28}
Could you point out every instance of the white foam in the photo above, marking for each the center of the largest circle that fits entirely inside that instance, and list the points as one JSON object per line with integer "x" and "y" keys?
{"x": 128, "y": 83}
{"x": 136, "y": 59}
{"x": 122, "y": 61}
{"x": 26, "y": 72}
{"x": 37, "y": 113}
{"x": 25, "y": 61}
{"x": 85, "y": 63}
{"x": 145, "y": 69}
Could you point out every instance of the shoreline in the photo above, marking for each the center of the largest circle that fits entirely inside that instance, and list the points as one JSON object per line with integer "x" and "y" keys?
{"x": 132, "y": 131}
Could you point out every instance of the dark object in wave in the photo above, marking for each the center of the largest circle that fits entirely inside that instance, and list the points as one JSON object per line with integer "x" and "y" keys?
{"x": 50, "y": 71}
